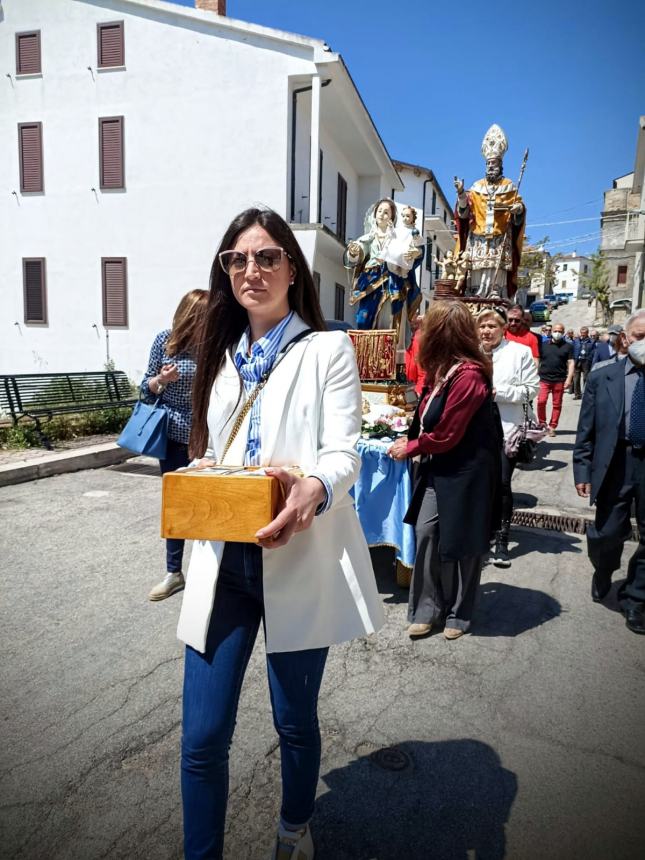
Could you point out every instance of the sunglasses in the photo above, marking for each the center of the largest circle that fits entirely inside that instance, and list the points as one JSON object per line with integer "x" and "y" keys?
{"x": 266, "y": 259}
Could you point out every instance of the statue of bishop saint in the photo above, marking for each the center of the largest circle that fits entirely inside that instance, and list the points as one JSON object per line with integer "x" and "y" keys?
{"x": 490, "y": 220}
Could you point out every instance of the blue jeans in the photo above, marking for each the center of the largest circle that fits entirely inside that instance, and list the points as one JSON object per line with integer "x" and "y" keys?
{"x": 212, "y": 684}
{"x": 176, "y": 458}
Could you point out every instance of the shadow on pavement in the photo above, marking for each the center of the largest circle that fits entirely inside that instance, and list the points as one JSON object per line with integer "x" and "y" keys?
{"x": 543, "y": 541}
{"x": 508, "y": 610}
{"x": 448, "y": 800}
{"x": 562, "y": 446}
{"x": 384, "y": 563}
{"x": 542, "y": 464}
{"x": 611, "y": 601}
{"x": 524, "y": 500}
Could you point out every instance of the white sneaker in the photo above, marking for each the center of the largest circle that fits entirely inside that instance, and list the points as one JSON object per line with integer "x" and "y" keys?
{"x": 293, "y": 844}
{"x": 170, "y": 584}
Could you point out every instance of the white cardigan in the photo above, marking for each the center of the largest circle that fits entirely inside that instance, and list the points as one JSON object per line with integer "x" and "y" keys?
{"x": 319, "y": 589}
{"x": 514, "y": 375}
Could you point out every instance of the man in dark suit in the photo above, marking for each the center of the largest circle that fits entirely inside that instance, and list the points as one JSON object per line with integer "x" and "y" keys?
{"x": 604, "y": 350}
{"x": 609, "y": 468}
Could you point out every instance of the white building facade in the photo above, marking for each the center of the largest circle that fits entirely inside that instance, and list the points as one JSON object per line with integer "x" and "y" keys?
{"x": 569, "y": 272}
{"x": 131, "y": 133}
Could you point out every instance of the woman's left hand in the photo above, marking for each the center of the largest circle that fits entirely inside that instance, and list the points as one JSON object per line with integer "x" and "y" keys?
{"x": 302, "y": 498}
{"x": 398, "y": 450}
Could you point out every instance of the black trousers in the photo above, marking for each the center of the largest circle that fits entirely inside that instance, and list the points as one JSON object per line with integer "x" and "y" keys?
{"x": 508, "y": 467}
{"x": 580, "y": 374}
{"x": 623, "y": 485}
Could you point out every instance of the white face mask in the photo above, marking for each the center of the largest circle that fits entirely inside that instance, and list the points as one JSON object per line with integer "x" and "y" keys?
{"x": 557, "y": 335}
{"x": 636, "y": 352}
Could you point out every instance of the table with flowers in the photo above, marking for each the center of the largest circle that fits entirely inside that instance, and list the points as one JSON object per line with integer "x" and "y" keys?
{"x": 383, "y": 491}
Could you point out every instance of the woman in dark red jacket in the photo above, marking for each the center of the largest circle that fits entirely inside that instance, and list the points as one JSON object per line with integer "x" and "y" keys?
{"x": 457, "y": 435}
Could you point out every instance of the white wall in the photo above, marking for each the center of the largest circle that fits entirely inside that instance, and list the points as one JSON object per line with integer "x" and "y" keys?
{"x": 206, "y": 127}
{"x": 568, "y": 280}
{"x": 207, "y": 110}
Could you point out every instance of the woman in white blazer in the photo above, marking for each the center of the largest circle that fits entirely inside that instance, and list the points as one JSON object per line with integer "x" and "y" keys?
{"x": 310, "y": 579}
{"x": 516, "y": 382}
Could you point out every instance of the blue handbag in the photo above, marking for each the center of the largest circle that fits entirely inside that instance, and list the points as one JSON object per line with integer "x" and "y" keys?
{"x": 146, "y": 431}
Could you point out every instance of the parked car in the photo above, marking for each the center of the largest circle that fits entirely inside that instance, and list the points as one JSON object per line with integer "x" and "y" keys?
{"x": 554, "y": 301}
{"x": 621, "y": 305}
{"x": 540, "y": 312}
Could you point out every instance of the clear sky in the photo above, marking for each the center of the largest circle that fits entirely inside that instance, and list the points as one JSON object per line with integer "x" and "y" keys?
{"x": 564, "y": 78}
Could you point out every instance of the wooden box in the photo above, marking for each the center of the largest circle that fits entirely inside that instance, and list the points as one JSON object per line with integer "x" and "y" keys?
{"x": 225, "y": 504}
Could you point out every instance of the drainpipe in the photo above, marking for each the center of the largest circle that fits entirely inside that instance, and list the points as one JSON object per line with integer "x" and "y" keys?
{"x": 423, "y": 232}
{"x": 294, "y": 125}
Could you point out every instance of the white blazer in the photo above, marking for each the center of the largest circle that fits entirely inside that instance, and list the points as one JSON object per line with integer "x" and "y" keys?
{"x": 319, "y": 589}
{"x": 515, "y": 378}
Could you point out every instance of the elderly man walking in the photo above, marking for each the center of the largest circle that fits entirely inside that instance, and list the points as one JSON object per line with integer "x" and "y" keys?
{"x": 609, "y": 468}
{"x": 583, "y": 348}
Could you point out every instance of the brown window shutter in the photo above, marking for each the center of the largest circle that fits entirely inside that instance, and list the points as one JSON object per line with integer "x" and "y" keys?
{"x": 115, "y": 291}
{"x": 28, "y": 53}
{"x": 111, "y": 152}
{"x": 111, "y": 49}
{"x": 30, "y": 144}
{"x": 34, "y": 290}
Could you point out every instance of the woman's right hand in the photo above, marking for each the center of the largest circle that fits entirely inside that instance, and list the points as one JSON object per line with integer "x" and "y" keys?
{"x": 204, "y": 463}
{"x": 168, "y": 373}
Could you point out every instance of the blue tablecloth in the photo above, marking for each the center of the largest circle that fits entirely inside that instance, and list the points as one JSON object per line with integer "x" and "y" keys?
{"x": 382, "y": 495}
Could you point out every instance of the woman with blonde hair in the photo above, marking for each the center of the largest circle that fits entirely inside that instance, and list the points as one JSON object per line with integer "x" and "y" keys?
{"x": 169, "y": 377}
{"x": 456, "y": 434}
{"x": 515, "y": 383}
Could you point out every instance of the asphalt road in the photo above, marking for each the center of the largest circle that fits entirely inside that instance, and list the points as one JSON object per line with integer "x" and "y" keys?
{"x": 525, "y": 739}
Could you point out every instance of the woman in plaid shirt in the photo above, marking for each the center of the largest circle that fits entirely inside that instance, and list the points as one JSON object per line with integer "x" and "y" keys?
{"x": 170, "y": 374}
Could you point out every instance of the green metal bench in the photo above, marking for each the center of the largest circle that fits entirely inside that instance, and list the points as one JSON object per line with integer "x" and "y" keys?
{"x": 39, "y": 396}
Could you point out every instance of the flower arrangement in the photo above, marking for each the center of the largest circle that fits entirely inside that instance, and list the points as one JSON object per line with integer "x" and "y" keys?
{"x": 383, "y": 421}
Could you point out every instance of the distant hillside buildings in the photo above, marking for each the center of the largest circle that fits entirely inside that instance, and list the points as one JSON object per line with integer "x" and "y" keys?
{"x": 622, "y": 225}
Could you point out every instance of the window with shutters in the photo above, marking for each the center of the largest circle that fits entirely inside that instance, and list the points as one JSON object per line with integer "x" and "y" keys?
{"x": 114, "y": 278}
{"x": 28, "y": 53}
{"x": 621, "y": 276}
{"x": 339, "y": 303}
{"x": 34, "y": 290}
{"x": 111, "y": 48}
{"x": 341, "y": 208}
{"x": 111, "y": 162}
{"x": 30, "y": 152}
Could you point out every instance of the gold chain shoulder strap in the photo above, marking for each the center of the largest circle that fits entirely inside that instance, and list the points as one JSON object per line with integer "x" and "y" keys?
{"x": 253, "y": 396}
{"x": 244, "y": 411}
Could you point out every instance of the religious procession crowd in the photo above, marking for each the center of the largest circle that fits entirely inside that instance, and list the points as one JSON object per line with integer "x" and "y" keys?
{"x": 253, "y": 381}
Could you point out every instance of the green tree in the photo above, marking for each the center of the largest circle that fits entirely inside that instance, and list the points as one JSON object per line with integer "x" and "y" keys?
{"x": 597, "y": 282}
{"x": 535, "y": 262}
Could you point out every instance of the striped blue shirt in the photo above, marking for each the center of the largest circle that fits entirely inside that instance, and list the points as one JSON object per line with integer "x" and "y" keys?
{"x": 252, "y": 368}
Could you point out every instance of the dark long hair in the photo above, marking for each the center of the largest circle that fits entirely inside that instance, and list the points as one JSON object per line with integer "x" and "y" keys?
{"x": 449, "y": 334}
{"x": 225, "y": 319}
